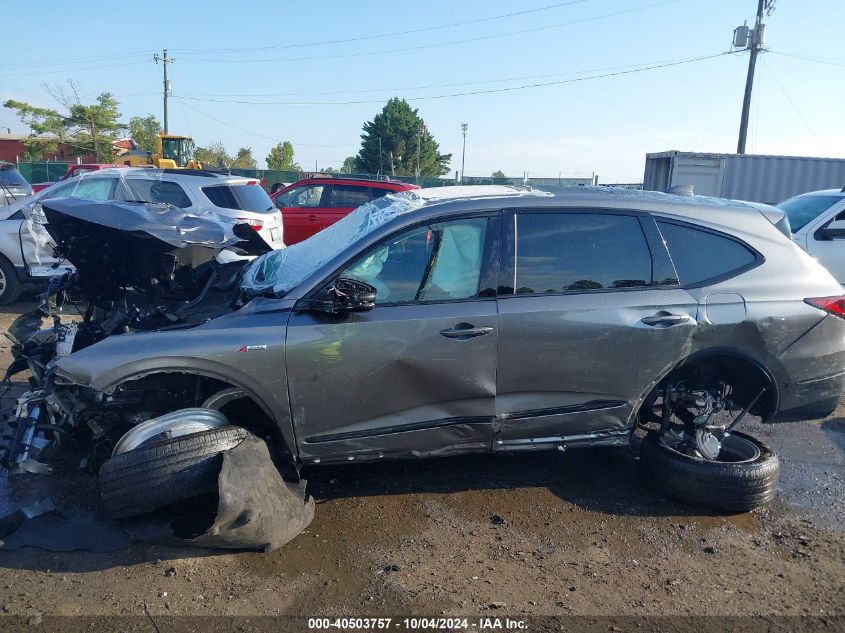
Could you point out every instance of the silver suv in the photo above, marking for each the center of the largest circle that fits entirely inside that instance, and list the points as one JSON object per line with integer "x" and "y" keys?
{"x": 477, "y": 319}
{"x": 23, "y": 260}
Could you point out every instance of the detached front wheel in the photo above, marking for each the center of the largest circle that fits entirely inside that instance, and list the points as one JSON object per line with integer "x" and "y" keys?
{"x": 744, "y": 477}
{"x": 164, "y": 472}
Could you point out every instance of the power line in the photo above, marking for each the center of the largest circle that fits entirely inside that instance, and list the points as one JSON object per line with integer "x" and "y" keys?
{"x": 426, "y": 87}
{"x": 78, "y": 60}
{"x": 438, "y": 45}
{"x": 471, "y": 92}
{"x": 257, "y": 134}
{"x": 807, "y": 58}
{"x": 70, "y": 70}
{"x": 792, "y": 103}
{"x": 194, "y": 51}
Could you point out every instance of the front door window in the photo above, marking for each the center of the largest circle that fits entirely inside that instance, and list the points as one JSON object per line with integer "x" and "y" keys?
{"x": 438, "y": 262}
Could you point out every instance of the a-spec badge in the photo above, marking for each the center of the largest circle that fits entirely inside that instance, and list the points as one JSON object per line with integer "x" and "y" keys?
{"x": 251, "y": 348}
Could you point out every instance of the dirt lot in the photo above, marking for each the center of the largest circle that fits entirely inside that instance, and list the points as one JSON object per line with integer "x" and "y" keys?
{"x": 571, "y": 533}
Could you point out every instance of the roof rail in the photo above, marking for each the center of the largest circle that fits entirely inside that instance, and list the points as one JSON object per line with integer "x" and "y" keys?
{"x": 193, "y": 172}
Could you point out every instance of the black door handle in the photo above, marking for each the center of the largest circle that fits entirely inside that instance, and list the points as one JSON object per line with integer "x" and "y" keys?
{"x": 465, "y": 331}
{"x": 664, "y": 318}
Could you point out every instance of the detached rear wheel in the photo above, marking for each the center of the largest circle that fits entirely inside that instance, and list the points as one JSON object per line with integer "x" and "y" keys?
{"x": 744, "y": 477}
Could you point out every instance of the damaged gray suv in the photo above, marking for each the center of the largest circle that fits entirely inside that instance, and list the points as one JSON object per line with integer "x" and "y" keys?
{"x": 442, "y": 322}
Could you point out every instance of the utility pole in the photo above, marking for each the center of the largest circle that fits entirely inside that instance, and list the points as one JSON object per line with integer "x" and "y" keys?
{"x": 464, "y": 127}
{"x": 165, "y": 60}
{"x": 379, "y": 157}
{"x": 753, "y": 40}
{"x": 419, "y": 139}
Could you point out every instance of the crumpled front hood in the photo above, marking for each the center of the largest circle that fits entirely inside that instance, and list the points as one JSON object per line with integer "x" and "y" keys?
{"x": 171, "y": 225}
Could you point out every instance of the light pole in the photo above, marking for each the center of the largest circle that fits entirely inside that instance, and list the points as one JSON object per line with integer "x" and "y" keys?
{"x": 464, "y": 127}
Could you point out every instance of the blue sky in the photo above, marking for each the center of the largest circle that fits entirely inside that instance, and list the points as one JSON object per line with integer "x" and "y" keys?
{"x": 603, "y": 125}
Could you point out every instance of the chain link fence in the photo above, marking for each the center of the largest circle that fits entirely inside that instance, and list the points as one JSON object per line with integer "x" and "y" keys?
{"x": 36, "y": 172}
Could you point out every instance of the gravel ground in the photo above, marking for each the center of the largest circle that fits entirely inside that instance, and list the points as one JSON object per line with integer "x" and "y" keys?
{"x": 572, "y": 533}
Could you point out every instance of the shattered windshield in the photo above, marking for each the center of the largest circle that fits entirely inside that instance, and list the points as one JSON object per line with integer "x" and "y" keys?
{"x": 282, "y": 270}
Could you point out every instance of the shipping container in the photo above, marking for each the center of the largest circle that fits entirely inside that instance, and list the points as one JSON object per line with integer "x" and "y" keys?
{"x": 769, "y": 179}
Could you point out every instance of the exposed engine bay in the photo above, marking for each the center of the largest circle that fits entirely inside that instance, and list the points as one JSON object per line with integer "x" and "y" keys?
{"x": 139, "y": 267}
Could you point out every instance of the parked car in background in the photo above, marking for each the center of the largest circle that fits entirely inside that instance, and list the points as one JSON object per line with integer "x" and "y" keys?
{"x": 13, "y": 186}
{"x": 23, "y": 260}
{"x": 72, "y": 172}
{"x": 817, "y": 221}
{"x": 310, "y": 205}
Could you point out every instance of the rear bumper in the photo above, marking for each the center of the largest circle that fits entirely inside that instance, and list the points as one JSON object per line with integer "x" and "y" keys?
{"x": 813, "y": 373}
{"x": 812, "y": 399}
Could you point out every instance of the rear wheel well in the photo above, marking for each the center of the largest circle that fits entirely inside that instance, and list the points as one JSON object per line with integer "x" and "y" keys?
{"x": 746, "y": 376}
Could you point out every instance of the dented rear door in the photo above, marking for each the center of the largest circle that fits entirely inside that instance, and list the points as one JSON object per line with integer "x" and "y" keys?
{"x": 590, "y": 317}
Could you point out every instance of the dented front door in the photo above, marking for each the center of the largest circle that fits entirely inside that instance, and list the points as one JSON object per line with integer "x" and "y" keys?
{"x": 415, "y": 376}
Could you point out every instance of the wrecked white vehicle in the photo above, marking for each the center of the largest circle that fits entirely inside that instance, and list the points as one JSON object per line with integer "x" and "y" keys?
{"x": 436, "y": 322}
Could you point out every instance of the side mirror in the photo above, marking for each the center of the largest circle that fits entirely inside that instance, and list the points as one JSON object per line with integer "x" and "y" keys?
{"x": 832, "y": 231}
{"x": 344, "y": 295}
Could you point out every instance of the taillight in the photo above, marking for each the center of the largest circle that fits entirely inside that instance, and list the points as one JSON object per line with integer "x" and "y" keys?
{"x": 833, "y": 305}
{"x": 255, "y": 224}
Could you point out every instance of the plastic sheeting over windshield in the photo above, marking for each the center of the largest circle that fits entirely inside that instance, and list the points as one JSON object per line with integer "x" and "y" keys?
{"x": 280, "y": 271}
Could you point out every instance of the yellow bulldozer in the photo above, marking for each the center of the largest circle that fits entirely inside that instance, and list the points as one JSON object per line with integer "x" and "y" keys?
{"x": 173, "y": 151}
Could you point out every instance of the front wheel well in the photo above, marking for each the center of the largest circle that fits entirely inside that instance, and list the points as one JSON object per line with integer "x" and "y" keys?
{"x": 162, "y": 392}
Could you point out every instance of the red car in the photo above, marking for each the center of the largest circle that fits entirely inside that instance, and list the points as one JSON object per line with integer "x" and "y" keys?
{"x": 312, "y": 204}
{"x": 72, "y": 171}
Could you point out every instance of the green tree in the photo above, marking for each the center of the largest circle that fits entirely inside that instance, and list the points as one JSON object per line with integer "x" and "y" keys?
{"x": 215, "y": 155}
{"x": 86, "y": 129}
{"x": 350, "y": 165}
{"x": 401, "y": 131}
{"x": 144, "y": 131}
{"x": 499, "y": 177}
{"x": 281, "y": 158}
{"x": 96, "y": 125}
{"x": 47, "y": 126}
{"x": 244, "y": 159}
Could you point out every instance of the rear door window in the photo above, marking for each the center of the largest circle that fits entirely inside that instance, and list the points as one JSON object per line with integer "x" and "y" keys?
{"x": 702, "y": 257}
{"x": 575, "y": 252}
{"x": 246, "y": 197}
{"x": 348, "y": 196}
{"x": 158, "y": 191}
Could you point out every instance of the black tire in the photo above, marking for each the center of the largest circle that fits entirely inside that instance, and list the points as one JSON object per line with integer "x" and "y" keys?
{"x": 10, "y": 285}
{"x": 731, "y": 486}
{"x": 162, "y": 473}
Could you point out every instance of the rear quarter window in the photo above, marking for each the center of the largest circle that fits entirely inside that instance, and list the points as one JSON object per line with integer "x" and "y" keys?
{"x": 11, "y": 177}
{"x": 240, "y": 197}
{"x": 702, "y": 256}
